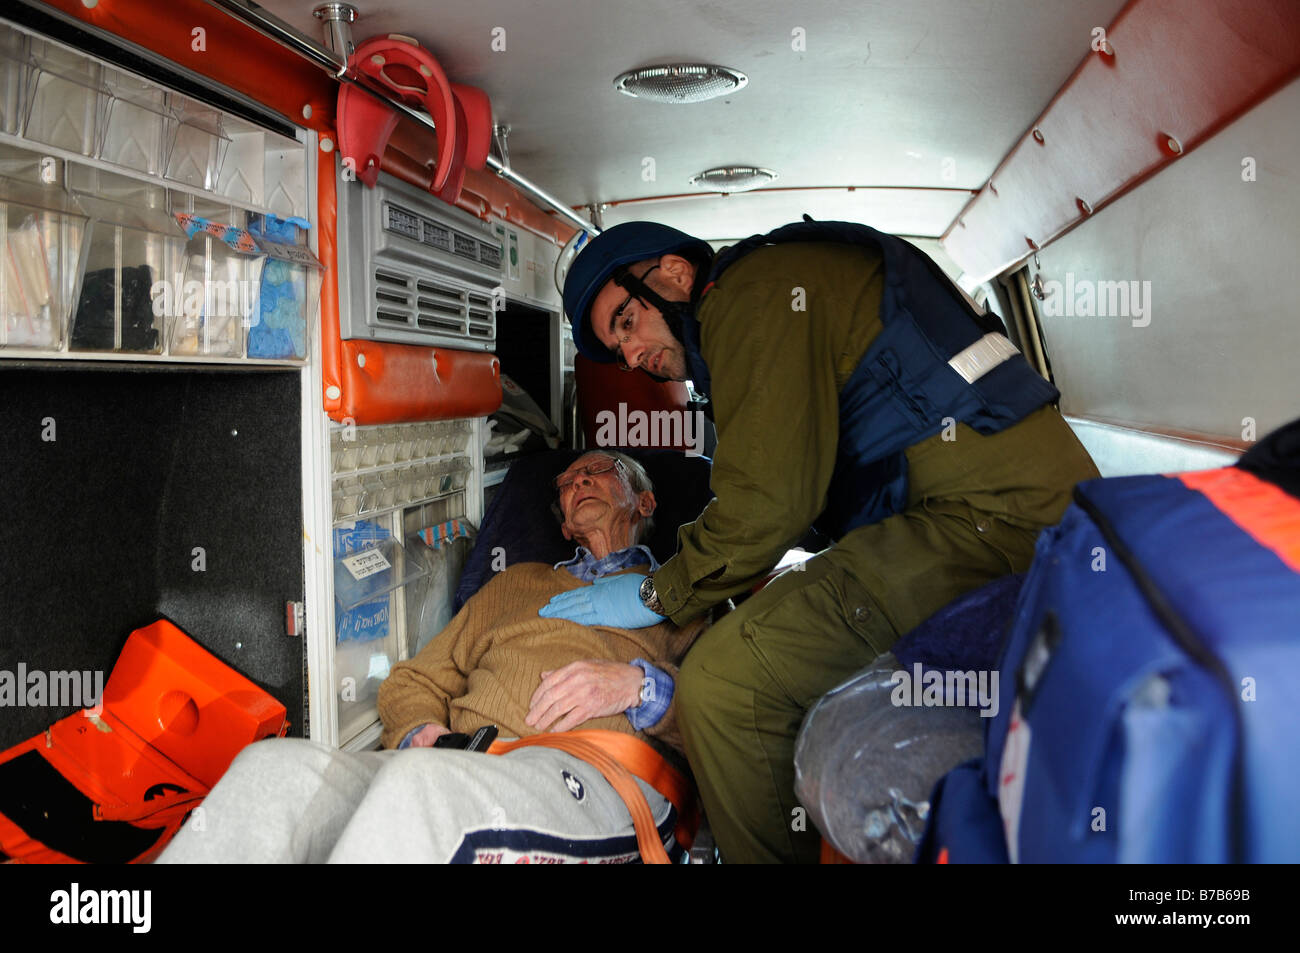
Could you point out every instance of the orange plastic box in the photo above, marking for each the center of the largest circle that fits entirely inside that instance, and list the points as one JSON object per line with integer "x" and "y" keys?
{"x": 114, "y": 785}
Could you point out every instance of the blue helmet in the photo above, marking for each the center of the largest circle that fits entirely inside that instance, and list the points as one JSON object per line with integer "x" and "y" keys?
{"x": 623, "y": 244}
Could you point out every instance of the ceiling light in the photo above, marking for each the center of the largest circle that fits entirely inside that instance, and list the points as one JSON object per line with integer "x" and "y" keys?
{"x": 732, "y": 178}
{"x": 681, "y": 82}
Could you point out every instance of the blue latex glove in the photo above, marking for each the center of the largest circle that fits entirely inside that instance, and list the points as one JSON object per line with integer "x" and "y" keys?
{"x": 611, "y": 600}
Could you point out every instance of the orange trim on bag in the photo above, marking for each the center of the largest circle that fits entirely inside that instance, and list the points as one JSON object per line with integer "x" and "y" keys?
{"x": 618, "y": 757}
{"x": 1265, "y": 512}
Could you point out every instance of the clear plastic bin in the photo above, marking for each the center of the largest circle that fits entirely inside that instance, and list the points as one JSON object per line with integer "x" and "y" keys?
{"x": 41, "y": 234}
{"x": 219, "y": 290}
{"x": 242, "y": 177}
{"x": 370, "y": 566}
{"x": 68, "y": 99}
{"x": 15, "y": 74}
{"x": 287, "y": 302}
{"x": 258, "y": 297}
{"x": 199, "y": 145}
{"x": 133, "y": 278}
{"x": 138, "y": 123}
{"x": 443, "y": 548}
{"x": 360, "y": 668}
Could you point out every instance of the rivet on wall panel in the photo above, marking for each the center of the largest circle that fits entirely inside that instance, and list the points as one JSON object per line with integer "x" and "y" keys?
{"x": 333, "y": 393}
{"x": 326, "y": 144}
{"x": 1038, "y": 135}
{"x": 1170, "y": 144}
{"x": 306, "y": 111}
{"x": 361, "y": 360}
{"x": 1084, "y": 206}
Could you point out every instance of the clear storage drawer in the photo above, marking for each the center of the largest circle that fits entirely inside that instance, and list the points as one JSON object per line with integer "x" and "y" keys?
{"x": 243, "y": 294}
{"x": 41, "y": 234}
{"x": 132, "y": 277}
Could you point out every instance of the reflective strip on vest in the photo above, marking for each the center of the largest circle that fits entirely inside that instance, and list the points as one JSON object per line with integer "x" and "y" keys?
{"x": 982, "y": 356}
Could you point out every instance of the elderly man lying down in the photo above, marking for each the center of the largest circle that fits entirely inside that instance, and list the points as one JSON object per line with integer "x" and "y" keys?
{"x": 496, "y": 663}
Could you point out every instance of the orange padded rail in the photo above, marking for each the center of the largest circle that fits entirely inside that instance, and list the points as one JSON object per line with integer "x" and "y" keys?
{"x": 391, "y": 383}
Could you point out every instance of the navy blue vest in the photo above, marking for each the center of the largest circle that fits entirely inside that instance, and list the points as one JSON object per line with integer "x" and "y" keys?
{"x": 903, "y": 389}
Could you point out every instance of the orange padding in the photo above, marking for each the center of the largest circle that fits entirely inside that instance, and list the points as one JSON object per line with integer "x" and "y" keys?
{"x": 619, "y": 756}
{"x": 1265, "y": 512}
{"x": 390, "y": 383}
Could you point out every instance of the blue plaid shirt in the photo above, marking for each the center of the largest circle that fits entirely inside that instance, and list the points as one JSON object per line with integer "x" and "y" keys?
{"x": 588, "y": 568}
{"x": 657, "y": 686}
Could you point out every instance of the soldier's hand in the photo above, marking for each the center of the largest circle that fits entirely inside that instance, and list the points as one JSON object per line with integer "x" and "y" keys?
{"x": 612, "y": 600}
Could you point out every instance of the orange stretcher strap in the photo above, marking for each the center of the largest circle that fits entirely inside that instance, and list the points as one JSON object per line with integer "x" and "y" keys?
{"x": 618, "y": 757}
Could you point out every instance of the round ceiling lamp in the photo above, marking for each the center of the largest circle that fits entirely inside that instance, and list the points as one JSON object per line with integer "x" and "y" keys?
{"x": 732, "y": 178}
{"x": 681, "y": 82}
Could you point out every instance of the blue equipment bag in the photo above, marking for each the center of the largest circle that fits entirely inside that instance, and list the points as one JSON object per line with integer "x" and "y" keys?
{"x": 1154, "y": 657}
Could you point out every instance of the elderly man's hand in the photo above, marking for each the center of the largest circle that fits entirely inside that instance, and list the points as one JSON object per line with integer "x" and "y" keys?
{"x": 611, "y": 600}
{"x": 426, "y": 736}
{"x": 584, "y": 690}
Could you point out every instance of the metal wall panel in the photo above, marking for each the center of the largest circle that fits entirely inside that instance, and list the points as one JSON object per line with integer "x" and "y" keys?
{"x": 1216, "y": 254}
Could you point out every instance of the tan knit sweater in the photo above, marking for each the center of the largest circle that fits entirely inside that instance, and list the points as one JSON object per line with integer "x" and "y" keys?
{"x": 483, "y": 668}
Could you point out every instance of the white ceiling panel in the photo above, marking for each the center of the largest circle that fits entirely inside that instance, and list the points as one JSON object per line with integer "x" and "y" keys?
{"x": 920, "y": 93}
{"x": 741, "y": 214}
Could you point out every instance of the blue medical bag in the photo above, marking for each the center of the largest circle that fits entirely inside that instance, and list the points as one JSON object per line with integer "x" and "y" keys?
{"x": 1150, "y": 686}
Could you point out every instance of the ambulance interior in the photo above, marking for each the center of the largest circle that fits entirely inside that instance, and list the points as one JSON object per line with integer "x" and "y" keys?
{"x": 1116, "y": 180}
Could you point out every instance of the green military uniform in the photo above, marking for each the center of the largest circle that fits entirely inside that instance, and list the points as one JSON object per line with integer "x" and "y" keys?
{"x": 782, "y": 330}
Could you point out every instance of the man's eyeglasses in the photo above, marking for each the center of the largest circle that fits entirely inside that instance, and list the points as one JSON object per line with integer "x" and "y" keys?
{"x": 620, "y": 278}
{"x": 604, "y": 465}
{"x": 618, "y": 348}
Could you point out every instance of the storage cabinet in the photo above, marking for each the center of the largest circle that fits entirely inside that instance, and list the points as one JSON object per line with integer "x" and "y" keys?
{"x": 406, "y": 499}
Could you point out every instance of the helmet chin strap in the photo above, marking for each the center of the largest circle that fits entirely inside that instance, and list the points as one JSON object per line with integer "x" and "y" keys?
{"x": 673, "y": 311}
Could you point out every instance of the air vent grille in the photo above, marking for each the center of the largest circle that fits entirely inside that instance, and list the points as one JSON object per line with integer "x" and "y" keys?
{"x": 440, "y": 306}
{"x": 410, "y": 224}
{"x": 426, "y": 273}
